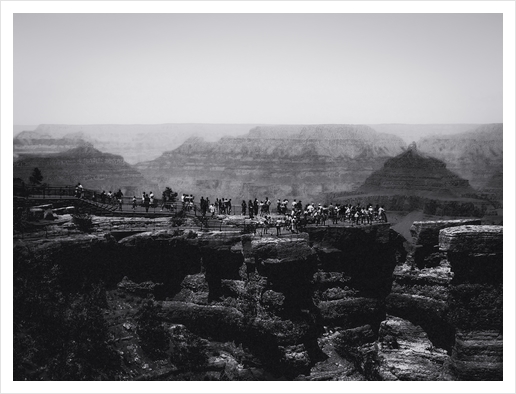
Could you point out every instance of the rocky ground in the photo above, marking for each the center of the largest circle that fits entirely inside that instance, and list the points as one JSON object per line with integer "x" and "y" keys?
{"x": 171, "y": 303}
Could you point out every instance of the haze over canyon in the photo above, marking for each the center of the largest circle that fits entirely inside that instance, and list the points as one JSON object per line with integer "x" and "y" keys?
{"x": 307, "y": 162}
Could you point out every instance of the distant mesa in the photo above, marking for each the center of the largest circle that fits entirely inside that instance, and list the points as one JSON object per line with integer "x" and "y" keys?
{"x": 135, "y": 142}
{"x": 32, "y": 142}
{"x": 94, "y": 169}
{"x": 413, "y": 173}
{"x": 476, "y": 155}
{"x": 283, "y": 161}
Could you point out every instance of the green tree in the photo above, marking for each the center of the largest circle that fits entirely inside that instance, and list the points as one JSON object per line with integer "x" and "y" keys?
{"x": 36, "y": 177}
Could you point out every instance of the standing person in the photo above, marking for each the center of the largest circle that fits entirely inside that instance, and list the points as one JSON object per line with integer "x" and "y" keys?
{"x": 255, "y": 206}
{"x": 278, "y": 227}
{"x": 143, "y": 199}
{"x": 146, "y": 202}
{"x": 212, "y": 210}
{"x": 119, "y": 196}
{"x": 80, "y": 190}
{"x": 251, "y": 210}
{"x": 151, "y": 196}
{"x": 244, "y": 207}
{"x": 134, "y": 203}
{"x": 266, "y": 205}
{"x": 203, "y": 207}
{"x": 383, "y": 215}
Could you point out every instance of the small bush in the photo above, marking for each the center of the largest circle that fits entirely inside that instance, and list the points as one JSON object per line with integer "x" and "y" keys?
{"x": 176, "y": 222}
{"x": 83, "y": 222}
{"x": 191, "y": 234}
{"x": 153, "y": 336}
{"x": 189, "y": 352}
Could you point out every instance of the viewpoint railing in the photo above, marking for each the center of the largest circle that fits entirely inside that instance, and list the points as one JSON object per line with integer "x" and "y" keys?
{"x": 87, "y": 203}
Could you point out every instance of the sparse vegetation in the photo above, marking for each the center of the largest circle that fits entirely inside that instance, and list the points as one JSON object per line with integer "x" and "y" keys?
{"x": 59, "y": 335}
{"x": 153, "y": 336}
{"x": 188, "y": 351}
{"x": 83, "y": 221}
{"x": 36, "y": 178}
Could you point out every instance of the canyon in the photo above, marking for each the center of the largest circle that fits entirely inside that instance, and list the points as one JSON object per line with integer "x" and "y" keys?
{"x": 135, "y": 143}
{"x": 277, "y": 161}
{"x": 94, "y": 169}
{"x": 331, "y": 303}
{"x": 307, "y": 162}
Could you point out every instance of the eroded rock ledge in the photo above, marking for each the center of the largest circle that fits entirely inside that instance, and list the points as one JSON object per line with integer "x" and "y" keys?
{"x": 329, "y": 304}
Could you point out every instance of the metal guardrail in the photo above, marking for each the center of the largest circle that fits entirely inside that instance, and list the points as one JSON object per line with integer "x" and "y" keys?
{"x": 206, "y": 223}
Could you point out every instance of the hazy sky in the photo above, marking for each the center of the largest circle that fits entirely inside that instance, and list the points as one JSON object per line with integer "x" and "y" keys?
{"x": 257, "y": 68}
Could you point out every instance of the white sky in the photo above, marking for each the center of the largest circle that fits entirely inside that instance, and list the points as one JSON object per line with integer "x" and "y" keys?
{"x": 257, "y": 68}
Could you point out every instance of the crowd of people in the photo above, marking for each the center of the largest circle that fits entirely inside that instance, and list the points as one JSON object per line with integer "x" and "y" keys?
{"x": 295, "y": 216}
{"x": 290, "y": 215}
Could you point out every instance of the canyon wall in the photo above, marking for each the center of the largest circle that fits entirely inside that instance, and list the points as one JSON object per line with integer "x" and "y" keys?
{"x": 94, "y": 169}
{"x": 329, "y": 304}
{"x": 303, "y": 162}
{"x": 476, "y": 155}
{"x": 412, "y": 173}
{"x": 134, "y": 142}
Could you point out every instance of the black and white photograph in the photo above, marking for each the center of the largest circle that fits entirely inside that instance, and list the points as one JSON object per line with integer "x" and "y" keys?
{"x": 279, "y": 197}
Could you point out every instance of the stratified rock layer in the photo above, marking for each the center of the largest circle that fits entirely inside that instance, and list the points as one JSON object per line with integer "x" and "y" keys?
{"x": 136, "y": 142}
{"x": 94, "y": 169}
{"x": 476, "y": 155}
{"x": 425, "y": 236}
{"x": 412, "y": 173}
{"x": 475, "y": 254}
{"x": 320, "y": 305}
{"x": 276, "y": 161}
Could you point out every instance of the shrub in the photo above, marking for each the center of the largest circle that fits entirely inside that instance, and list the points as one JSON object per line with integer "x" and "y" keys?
{"x": 83, "y": 222}
{"x": 153, "y": 336}
{"x": 189, "y": 352}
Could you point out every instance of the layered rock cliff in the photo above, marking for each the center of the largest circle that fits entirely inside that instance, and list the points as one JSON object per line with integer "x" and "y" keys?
{"x": 276, "y": 161}
{"x": 94, "y": 169}
{"x": 451, "y": 286}
{"x": 39, "y": 143}
{"x": 315, "y": 306}
{"x": 475, "y": 155}
{"x": 134, "y": 142}
{"x": 413, "y": 173}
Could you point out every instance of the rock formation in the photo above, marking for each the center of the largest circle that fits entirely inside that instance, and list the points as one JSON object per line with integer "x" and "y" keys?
{"x": 475, "y": 255}
{"x": 134, "y": 142}
{"x": 413, "y": 173}
{"x": 275, "y": 161}
{"x": 334, "y": 303}
{"x": 455, "y": 295}
{"x": 94, "y": 169}
{"x": 475, "y": 155}
{"x": 39, "y": 143}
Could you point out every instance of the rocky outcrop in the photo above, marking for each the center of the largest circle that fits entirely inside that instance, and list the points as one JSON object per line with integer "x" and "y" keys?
{"x": 37, "y": 143}
{"x": 320, "y": 305}
{"x": 475, "y": 155}
{"x": 135, "y": 143}
{"x": 275, "y": 161}
{"x": 475, "y": 254}
{"x": 457, "y": 301}
{"x": 94, "y": 169}
{"x": 425, "y": 236}
{"x": 412, "y": 173}
{"x": 406, "y": 353}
